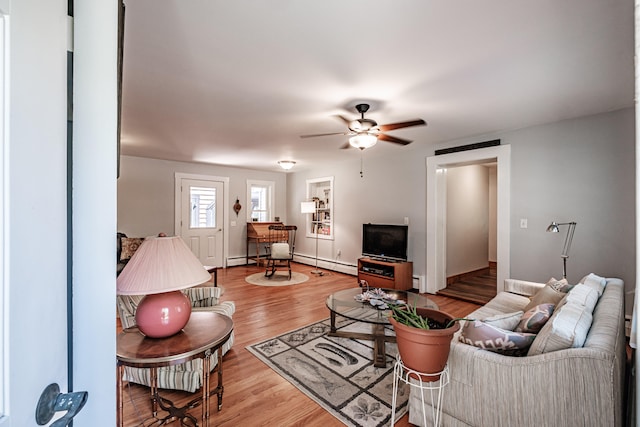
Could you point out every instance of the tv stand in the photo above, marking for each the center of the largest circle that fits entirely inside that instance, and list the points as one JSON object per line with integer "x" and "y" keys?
{"x": 386, "y": 274}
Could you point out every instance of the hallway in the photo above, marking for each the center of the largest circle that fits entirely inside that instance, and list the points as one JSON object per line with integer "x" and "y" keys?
{"x": 478, "y": 288}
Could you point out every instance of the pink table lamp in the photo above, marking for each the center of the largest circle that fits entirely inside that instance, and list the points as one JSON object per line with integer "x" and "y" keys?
{"x": 159, "y": 269}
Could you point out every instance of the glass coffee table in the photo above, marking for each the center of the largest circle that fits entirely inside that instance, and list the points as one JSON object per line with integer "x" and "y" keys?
{"x": 343, "y": 303}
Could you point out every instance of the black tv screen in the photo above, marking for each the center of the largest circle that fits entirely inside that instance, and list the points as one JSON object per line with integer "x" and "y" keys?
{"x": 385, "y": 241}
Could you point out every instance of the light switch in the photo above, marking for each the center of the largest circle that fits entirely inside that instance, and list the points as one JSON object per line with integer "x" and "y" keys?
{"x": 523, "y": 222}
{"x": 233, "y": 223}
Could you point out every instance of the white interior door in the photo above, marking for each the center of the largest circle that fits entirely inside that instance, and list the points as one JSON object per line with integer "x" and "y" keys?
{"x": 202, "y": 220}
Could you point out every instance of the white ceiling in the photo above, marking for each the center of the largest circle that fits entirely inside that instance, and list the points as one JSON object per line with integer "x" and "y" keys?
{"x": 237, "y": 82}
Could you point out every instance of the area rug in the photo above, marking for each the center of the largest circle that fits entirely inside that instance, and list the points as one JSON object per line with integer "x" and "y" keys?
{"x": 337, "y": 373}
{"x": 279, "y": 278}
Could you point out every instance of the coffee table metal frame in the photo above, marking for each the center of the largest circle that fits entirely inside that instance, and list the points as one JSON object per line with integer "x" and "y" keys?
{"x": 343, "y": 303}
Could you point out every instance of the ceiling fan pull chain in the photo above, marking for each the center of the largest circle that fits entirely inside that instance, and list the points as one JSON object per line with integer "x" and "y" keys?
{"x": 361, "y": 162}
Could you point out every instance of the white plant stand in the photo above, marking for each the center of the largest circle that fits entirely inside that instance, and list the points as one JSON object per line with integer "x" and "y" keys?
{"x": 434, "y": 387}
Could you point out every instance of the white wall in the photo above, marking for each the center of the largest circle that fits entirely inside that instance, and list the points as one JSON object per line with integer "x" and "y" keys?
{"x": 581, "y": 170}
{"x": 146, "y": 197}
{"x": 467, "y": 219}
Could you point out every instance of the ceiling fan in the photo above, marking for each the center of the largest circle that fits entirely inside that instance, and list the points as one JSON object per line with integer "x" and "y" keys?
{"x": 366, "y": 132}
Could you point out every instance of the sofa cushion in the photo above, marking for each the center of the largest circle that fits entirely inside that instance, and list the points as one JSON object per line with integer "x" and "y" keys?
{"x": 584, "y": 295}
{"x": 568, "y": 327}
{"x": 506, "y": 321}
{"x": 488, "y": 337}
{"x": 596, "y": 282}
{"x": 552, "y": 293}
{"x": 535, "y": 318}
{"x": 129, "y": 246}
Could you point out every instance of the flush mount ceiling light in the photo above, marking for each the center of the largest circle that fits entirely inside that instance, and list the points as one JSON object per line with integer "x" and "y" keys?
{"x": 286, "y": 164}
{"x": 363, "y": 140}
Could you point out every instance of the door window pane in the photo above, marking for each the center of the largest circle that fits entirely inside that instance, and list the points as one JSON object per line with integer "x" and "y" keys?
{"x": 203, "y": 207}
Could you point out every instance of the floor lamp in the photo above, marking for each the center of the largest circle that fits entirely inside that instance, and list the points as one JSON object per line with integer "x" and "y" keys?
{"x": 311, "y": 208}
{"x": 554, "y": 227}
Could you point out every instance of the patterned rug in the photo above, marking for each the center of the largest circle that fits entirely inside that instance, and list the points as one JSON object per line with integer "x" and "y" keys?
{"x": 337, "y": 373}
{"x": 280, "y": 278}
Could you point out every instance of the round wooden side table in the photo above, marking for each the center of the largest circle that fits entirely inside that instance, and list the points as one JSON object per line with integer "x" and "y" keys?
{"x": 205, "y": 333}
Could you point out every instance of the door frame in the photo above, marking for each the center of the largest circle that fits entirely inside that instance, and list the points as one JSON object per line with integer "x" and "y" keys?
{"x": 435, "y": 277}
{"x": 225, "y": 208}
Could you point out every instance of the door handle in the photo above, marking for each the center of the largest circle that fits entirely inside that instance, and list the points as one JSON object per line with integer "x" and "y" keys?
{"x": 52, "y": 401}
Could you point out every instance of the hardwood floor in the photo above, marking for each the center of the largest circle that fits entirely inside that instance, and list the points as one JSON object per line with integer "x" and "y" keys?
{"x": 255, "y": 395}
{"x": 477, "y": 288}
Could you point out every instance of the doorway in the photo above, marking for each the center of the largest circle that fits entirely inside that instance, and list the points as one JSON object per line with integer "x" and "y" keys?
{"x": 471, "y": 232}
{"x": 435, "y": 278}
{"x": 200, "y": 206}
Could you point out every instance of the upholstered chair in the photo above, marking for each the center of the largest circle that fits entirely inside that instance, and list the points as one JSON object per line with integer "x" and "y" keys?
{"x": 185, "y": 376}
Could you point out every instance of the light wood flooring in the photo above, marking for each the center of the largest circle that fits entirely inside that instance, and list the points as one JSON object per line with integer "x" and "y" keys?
{"x": 478, "y": 288}
{"x": 255, "y": 395}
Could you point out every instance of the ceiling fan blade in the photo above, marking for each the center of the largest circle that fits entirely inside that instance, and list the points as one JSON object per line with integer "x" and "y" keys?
{"x": 389, "y": 138}
{"x": 323, "y": 134}
{"x": 392, "y": 126}
{"x": 343, "y": 118}
{"x": 345, "y": 146}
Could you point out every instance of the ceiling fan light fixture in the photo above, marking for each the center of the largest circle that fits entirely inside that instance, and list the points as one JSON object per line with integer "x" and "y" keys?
{"x": 363, "y": 140}
{"x": 286, "y": 164}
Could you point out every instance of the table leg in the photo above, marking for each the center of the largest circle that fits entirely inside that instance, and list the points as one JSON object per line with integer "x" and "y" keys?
{"x": 220, "y": 386}
{"x": 333, "y": 322}
{"x": 206, "y": 367}
{"x": 119, "y": 395}
{"x": 153, "y": 373}
{"x": 379, "y": 354}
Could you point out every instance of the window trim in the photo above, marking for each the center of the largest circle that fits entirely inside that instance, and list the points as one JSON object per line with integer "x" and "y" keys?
{"x": 270, "y": 186}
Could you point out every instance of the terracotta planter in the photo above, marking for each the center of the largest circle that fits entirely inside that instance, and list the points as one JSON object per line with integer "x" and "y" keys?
{"x": 425, "y": 350}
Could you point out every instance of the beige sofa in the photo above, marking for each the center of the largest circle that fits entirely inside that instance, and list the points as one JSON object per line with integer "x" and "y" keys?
{"x": 569, "y": 387}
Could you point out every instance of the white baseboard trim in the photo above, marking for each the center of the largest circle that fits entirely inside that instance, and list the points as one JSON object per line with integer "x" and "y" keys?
{"x": 330, "y": 265}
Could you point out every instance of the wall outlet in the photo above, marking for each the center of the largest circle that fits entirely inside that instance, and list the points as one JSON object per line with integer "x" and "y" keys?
{"x": 338, "y": 252}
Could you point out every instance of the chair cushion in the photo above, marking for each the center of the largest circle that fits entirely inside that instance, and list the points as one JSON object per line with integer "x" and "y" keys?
{"x": 280, "y": 251}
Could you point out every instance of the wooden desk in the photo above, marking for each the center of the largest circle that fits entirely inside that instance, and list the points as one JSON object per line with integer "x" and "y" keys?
{"x": 205, "y": 333}
{"x": 258, "y": 234}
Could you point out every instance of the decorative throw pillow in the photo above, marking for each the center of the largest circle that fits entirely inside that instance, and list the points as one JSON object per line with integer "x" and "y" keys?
{"x": 504, "y": 321}
{"x": 552, "y": 293}
{"x": 488, "y": 337}
{"x": 129, "y": 246}
{"x": 535, "y": 318}
{"x": 567, "y": 328}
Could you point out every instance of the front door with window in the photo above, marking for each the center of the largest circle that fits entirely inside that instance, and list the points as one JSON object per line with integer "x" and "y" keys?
{"x": 201, "y": 221}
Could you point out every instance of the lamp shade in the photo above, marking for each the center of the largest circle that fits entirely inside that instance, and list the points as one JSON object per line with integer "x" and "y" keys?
{"x": 307, "y": 207}
{"x": 159, "y": 269}
{"x": 161, "y": 264}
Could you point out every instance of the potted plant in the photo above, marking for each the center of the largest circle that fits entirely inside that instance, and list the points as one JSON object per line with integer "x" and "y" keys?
{"x": 424, "y": 337}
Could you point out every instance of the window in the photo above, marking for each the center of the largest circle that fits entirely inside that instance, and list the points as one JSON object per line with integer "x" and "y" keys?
{"x": 203, "y": 207}
{"x": 260, "y": 200}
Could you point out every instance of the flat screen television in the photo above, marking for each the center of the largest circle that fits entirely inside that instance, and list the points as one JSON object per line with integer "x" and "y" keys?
{"x": 385, "y": 241}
